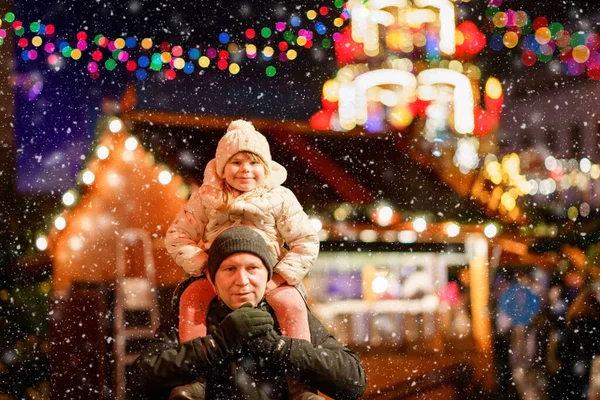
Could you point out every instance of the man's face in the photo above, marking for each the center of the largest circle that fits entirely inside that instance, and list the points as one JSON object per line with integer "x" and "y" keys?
{"x": 241, "y": 278}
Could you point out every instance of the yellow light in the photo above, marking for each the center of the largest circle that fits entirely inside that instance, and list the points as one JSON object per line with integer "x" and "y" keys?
{"x": 459, "y": 37}
{"x": 234, "y": 68}
{"x": 179, "y": 63}
{"x": 268, "y": 51}
{"x": 311, "y": 14}
{"x": 76, "y": 54}
{"x": 573, "y": 213}
{"x": 338, "y": 22}
{"x": 595, "y": 171}
{"x": 291, "y": 54}
{"x": 250, "y": 49}
{"x": 119, "y": 43}
{"x": 493, "y": 88}
{"x": 36, "y": 41}
{"x": 147, "y": 43}
{"x": 165, "y": 57}
{"x": 301, "y": 40}
{"x": 204, "y": 61}
{"x": 331, "y": 90}
{"x": 508, "y": 201}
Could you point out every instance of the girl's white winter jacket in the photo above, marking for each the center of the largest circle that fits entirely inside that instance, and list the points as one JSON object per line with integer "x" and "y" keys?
{"x": 272, "y": 210}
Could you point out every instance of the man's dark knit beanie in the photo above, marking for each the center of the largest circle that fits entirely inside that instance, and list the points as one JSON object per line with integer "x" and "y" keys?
{"x": 238, "y": 239}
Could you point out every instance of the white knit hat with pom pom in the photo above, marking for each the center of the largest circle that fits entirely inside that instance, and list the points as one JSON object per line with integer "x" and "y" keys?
{"x": 241, "y": 136}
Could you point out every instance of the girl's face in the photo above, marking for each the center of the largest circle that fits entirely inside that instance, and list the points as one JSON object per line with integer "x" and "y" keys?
{"x": 244, "y": 173}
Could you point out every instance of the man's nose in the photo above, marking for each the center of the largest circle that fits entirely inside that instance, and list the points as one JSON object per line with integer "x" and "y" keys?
{"x": 242, "y": 278}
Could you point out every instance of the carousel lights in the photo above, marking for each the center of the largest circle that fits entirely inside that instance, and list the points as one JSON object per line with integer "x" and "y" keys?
{"x": 316, "y": 224}
{"x": 102, "y": 152}
{"x": 88, "y": 177}
{"x": 490, "y": 230}
{"x": 165, "y": 177}
{"x": 419, "y": 224}
{"x": 60, "y": 223}
{"x": 68, "y": 198}
{"x": 131, "y": 143}
{"x": 41, "y": 243}
{"x": 115, "y": 125}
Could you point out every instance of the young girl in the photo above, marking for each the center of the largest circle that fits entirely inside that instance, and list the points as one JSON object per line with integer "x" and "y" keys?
{"x": 242, "y": 186}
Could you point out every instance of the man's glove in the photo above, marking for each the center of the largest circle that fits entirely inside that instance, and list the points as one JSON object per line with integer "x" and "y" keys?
{"x": 234, "y": 331}
{"x": 271, "y": 345}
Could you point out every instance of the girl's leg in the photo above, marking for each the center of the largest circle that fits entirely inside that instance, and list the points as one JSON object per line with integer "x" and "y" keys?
{"x": 290, "y": 310}
{"x": 193, "y": 308}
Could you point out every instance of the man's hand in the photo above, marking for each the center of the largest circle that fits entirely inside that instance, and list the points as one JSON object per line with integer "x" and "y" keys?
{"x": 234, "y": 332}
{"x": 270, "y": 345}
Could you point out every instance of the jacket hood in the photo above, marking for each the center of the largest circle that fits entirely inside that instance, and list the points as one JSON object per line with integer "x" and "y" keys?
{"x": 275, "y": 178}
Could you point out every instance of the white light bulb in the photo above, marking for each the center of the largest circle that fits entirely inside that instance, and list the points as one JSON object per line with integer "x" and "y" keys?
{"x": 490, "y": 230}
{"x": 316, "y": 224}
{"x": 60, "y": 223}
{"x": 419, "y": 224}
{"x": 102, "y": 152}
{"x": 68, "y": 198}
{"x": 88, "y": 177}
{"x": 41, "y": 243}
{"x": 131, "y": 143}
{"x": 379, "y": 284}
{"x": 453, "y": 229}
{"x": 115, "y": 125}
{"x": 165, "y": 177}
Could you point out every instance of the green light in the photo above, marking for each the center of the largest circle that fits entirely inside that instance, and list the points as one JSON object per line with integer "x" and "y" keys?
{"x": 271, "y": 71}
{"x": 266, "y": 32}
{"x": 110, "y": 64}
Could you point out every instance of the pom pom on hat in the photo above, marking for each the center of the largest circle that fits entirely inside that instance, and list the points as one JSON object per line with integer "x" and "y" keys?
{"x": 241, "y": 136}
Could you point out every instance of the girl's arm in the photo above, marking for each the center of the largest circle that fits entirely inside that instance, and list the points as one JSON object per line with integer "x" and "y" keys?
{"x": 297, "y": 232}
{"x": 184, "y": 236}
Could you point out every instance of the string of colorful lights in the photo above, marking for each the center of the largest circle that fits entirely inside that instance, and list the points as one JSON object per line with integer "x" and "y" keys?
{"x": 139, "y": 57}
{"x": 542, "y": 40}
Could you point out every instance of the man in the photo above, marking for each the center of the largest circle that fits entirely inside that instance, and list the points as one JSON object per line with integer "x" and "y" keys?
{"x": 244, "y": 356}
